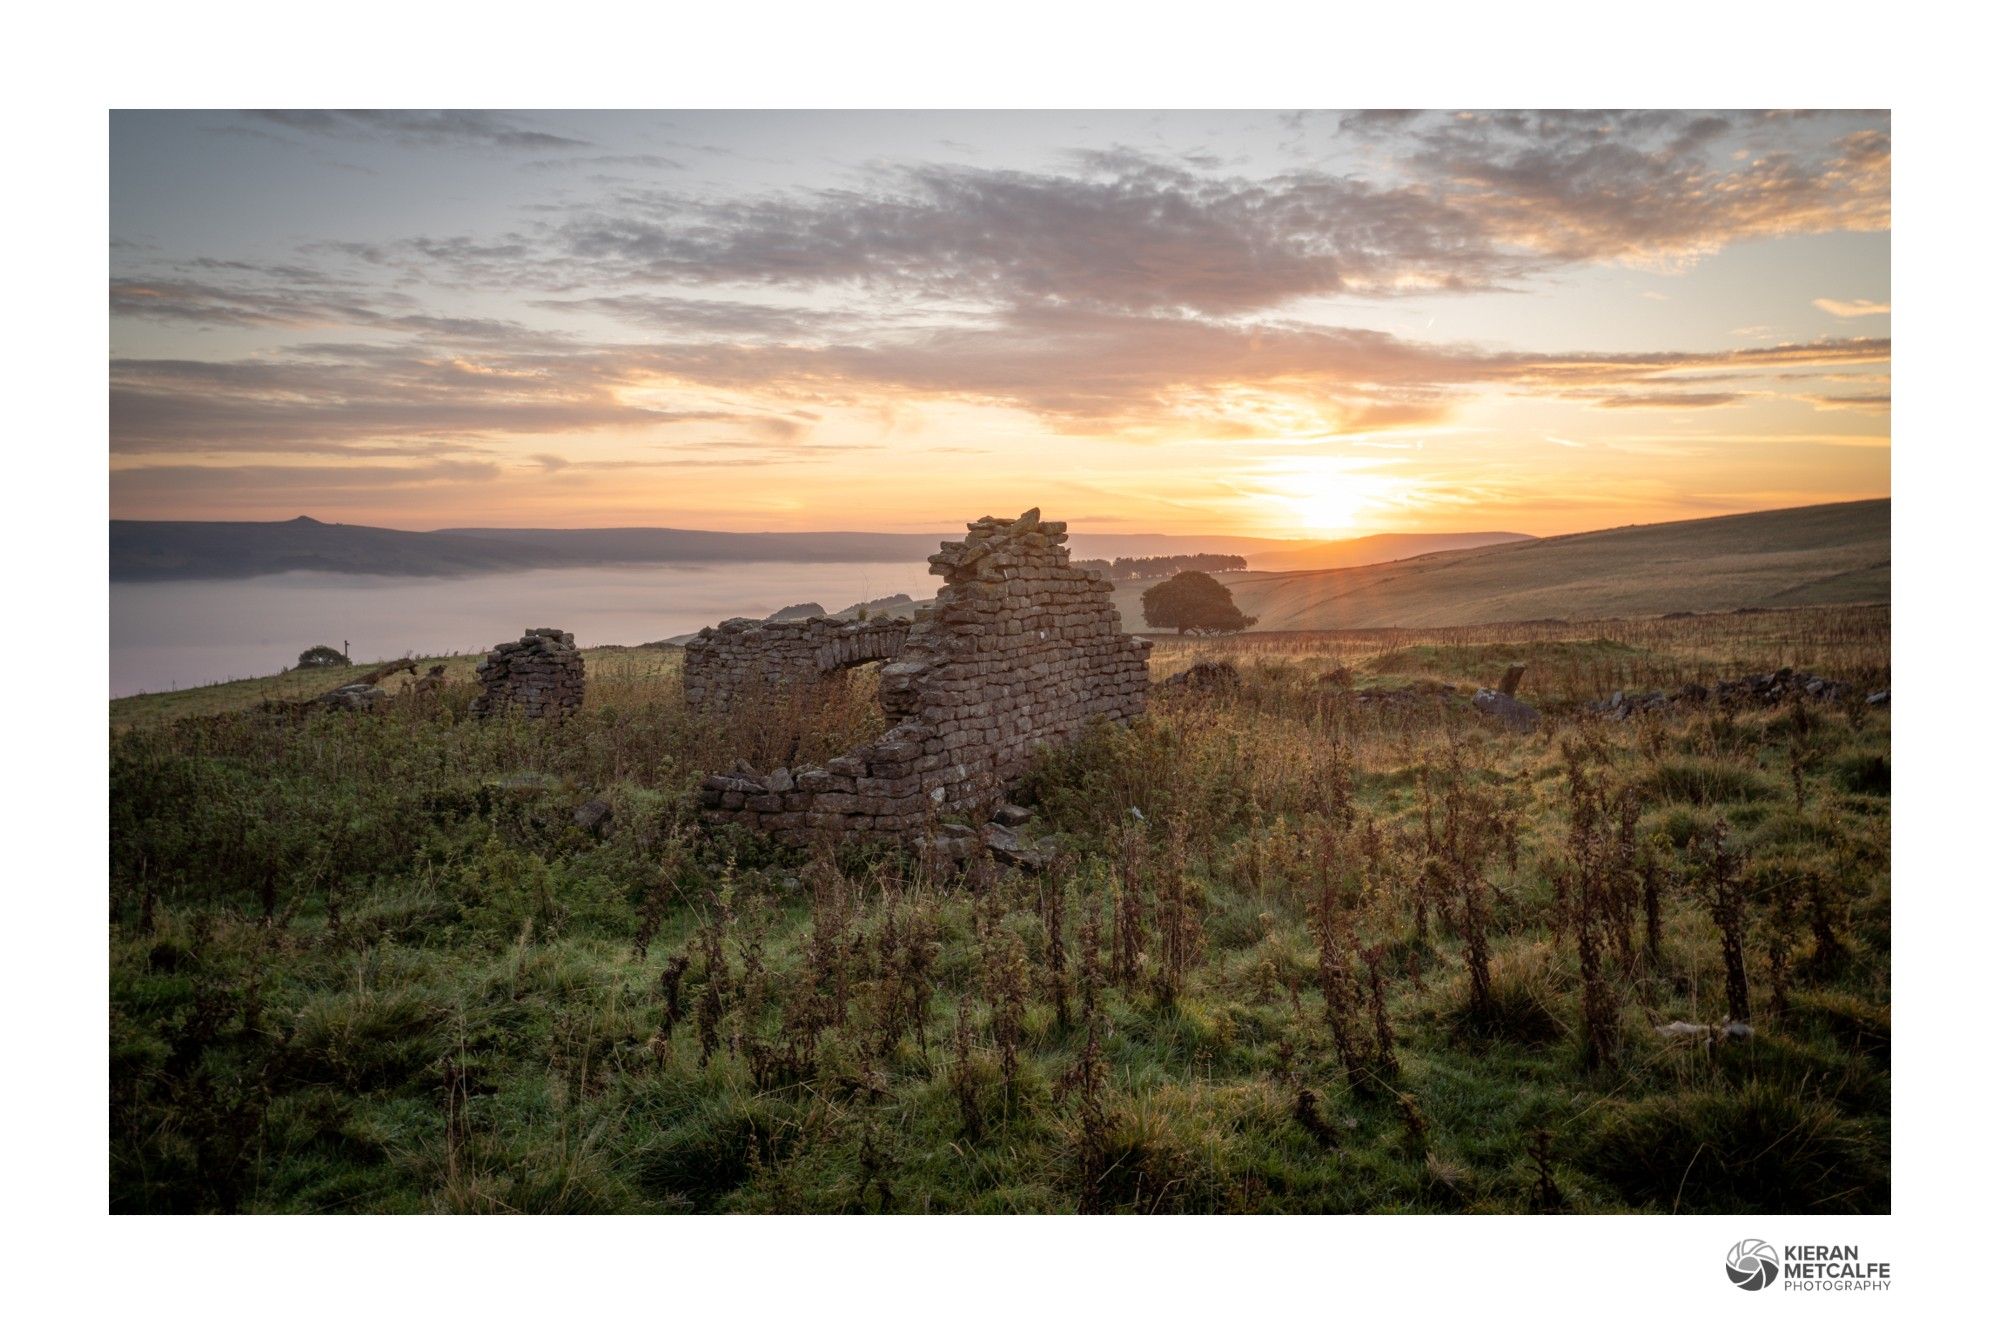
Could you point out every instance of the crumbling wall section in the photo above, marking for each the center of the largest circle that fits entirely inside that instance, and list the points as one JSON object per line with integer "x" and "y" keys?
{"x": 741, "y": 658}
{"x": 1020, "y": 649}
{"x": 538, "y": 675}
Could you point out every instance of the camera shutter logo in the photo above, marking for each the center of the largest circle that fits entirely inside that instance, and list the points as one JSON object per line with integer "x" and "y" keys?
{"x": 1752, "y": 1264}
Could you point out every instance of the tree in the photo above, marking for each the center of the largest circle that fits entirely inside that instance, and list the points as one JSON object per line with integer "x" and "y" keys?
{"x": 322, "y": 655}
{"x": 1193, "y": 601}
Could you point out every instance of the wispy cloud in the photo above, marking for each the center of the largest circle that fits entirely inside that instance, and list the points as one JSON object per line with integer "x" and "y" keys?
{"x": 1475, "y": 202}
{"x": 1852, "y": 307}
{"x": 1663, "y": 399}
{"x": 1133, "y": 375}
{"x": 1875, "y": 403}
{"x": 428, "y": 128}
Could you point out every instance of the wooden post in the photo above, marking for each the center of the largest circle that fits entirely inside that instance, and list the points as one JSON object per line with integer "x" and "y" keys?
{"x": 1513, "y": 678}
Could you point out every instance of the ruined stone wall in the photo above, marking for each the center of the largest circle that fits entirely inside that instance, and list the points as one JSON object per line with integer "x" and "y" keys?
{"x": 1020, "y": 649}
{"x": 538, "y": 675}
{"x": 741, "y": 657}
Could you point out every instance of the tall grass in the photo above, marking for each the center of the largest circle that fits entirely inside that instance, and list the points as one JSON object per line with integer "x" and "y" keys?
{"x": 1300, "y": 951}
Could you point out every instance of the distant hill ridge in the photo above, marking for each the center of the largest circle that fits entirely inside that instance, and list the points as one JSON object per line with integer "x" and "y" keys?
{"x": 189, "y": 549}
{"x": 1809, "y": 555}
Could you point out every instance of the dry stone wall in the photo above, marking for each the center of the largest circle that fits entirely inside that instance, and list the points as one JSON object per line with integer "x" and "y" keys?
{"x": 538, "y": 675}
{"x": 1021, "y": 648}
{"x": 741, "y": 658}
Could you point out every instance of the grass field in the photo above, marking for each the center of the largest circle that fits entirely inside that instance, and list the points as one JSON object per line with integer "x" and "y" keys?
{"x": 1347, "y": 955}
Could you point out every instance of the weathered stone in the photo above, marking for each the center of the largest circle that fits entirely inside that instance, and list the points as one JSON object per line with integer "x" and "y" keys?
{"x": 1020, "y": 649}
{"x": 538, "y": 675}
{"x": 353, "y": 698}
{"x": 942, "y": 845}
{"x": 739, "y": 659}
{"x": 1510, "y": 711}
{"x": 1768, "y": 689}
{"x": 1009, "y": 847}
{"x": 1204, "y": 678}
{"x": 1012, "y": 815}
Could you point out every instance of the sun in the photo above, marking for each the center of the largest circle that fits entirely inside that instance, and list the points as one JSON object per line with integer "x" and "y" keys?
{"x": 1328, "y": 505}
{"x": 1324, "y": 497}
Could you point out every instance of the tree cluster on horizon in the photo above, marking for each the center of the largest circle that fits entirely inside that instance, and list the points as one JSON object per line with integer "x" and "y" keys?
{"x": 1160, "y": 567}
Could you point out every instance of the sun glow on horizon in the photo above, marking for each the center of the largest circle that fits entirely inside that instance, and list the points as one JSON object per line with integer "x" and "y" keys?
{"x": 1326, "y": 497}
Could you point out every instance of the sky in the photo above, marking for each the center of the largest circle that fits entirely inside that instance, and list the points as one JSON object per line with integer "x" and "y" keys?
{"x": 1302, "y": 324}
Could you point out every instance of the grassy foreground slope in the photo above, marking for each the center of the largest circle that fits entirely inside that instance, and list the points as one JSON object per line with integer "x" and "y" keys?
{"x": 1812, "y": 555}
{"x": 1359, "y": 949}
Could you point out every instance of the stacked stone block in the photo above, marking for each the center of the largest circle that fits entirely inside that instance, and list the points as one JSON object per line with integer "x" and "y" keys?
{"x": 1020, "y": 649}
{"x": 538, "y": 675}
{"x": 741, "y": 658}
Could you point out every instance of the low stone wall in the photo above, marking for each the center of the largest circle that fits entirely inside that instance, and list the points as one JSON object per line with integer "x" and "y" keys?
{"x": 1020, "y": 649}
{"x": 538, "y": 675}
{"x": 742, "y": 657}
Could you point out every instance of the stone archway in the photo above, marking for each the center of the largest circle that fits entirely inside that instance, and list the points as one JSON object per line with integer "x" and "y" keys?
{"x": 740, "y": 657}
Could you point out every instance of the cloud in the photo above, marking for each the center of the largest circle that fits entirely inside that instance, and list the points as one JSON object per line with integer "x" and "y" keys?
{"x": 425, "y": 128}
{"x": 1852, "y": 307}
{"x": 708, "y": 317}
{"x": 632, "y": 161}
{"x": 414, "y": 397}
{"x": 1145, "y": 376}
{"x": 1151, "y": 237}
{"x": 1652, "y": 186}
{"x": 1866, "y": 404}
{"x": 203, "y": 479}
{"x": 300, "y": 299}
{"x": 1142, "y": 373}
{"x": 1130, "y": 293}
{"x": 352, "y": 393}
{"x": 1471, "y": 202}
{"x": 206, "y": 304}
{"x": 1664, "y": 399}
{"x": 1461, "y": 202}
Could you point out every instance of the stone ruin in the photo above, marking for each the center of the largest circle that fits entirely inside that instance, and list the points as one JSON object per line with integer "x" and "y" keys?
{"x": 1205, "y": 678}
{"x": 1020, "y": 649}
{"x": 1768, "y": 690}
{"x": 741, "y": 658}
{"x": 365, "y": 695}
{"x": 1500, "y": 704}
{"x": 538, "y": 675}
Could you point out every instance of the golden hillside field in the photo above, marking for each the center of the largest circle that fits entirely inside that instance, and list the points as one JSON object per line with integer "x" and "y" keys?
{"x": 1810, "y": 556}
